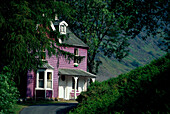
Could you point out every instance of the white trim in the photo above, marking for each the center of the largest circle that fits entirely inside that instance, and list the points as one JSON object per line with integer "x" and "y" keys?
{"x": 45, "y": 80}
{"x": 64, "y": 24}
{"x": 76, "y": 56}
{"x": 52, "y": 26}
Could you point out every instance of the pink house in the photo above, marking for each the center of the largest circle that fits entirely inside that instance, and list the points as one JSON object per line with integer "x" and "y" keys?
{"x": 58, "y": 77}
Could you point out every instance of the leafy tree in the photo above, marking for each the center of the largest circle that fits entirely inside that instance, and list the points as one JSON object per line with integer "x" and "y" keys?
{"x": 21, "y": 42}
{"x": 106, "y": 26}
{"x": 98, "y": 27}
{"x": 8, "y": 91}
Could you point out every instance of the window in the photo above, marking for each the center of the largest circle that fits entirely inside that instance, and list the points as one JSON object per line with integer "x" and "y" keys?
{"x": 73, "y": 83}
{"x": 41, "y": 79}
{"x": 49, "y": 79}
{"x": 76, "y": 53}
{"x": 44, "y": 79}
{"x": 62, "y": 29}
{"x": 43, "y": 54}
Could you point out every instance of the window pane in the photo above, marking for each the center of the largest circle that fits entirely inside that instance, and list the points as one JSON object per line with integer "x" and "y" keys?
{"x": 41, "y": 79}
{"x": 49, "y": 80}
{"x": 49, "y": 84}
{"x": 41, "y": 75}
{"x": 75, "y": 59}
{"x": 41, "y": 83}
{"x": 62, "y": 28}
{"x": 49, "y": 76}
{"x": 75, "y": 51}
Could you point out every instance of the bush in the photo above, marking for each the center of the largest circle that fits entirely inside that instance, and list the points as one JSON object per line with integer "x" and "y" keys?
{"x": 143, "y": 90}
{"x": 8, "y": 91}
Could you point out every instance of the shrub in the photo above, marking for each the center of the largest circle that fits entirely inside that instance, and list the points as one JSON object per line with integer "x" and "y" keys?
{"x": 8, "y": 91}
{"x": 143, "y": 90}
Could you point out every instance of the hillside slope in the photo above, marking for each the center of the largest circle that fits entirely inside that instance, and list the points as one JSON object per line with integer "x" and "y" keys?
{"x": 141, "y": 53}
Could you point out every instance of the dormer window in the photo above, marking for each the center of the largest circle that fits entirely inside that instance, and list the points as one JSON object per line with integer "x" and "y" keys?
{"x": 62, "y": 27}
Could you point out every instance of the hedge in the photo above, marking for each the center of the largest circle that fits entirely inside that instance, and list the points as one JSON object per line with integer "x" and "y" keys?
{"x": 143, "y": 90}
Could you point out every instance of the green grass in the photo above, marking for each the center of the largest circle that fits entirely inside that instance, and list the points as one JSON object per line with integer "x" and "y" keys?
{"x": 19, "y": 106}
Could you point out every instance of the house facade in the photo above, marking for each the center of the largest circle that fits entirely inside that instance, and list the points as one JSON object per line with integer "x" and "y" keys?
{"x": 58, "y": 77}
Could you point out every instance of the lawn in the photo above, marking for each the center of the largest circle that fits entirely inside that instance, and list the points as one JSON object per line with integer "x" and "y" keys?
{"x": 19, "y": 106}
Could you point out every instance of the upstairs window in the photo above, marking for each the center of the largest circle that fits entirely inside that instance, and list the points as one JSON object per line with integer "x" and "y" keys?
{"x": 43, "y": 54}
{"x": 76, "y": 53}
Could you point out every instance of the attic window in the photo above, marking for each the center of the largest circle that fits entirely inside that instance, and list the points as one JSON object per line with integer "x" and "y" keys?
{"x": 62, "y": 29}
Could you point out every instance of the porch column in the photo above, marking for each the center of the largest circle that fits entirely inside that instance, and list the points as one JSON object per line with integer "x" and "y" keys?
{"x": 75, "y": 87}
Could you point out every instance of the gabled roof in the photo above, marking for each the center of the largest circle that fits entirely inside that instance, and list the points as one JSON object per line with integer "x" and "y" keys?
{"x": 71, "y": 39}
{"x": 75, "y": 72}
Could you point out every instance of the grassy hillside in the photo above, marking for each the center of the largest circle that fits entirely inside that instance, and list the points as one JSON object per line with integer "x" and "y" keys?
{"x": 141, "y": 52}
{"x": 142, "y": 90}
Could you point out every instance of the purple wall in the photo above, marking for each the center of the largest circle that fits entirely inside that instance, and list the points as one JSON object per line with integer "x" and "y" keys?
{"x": 57, "y": 63}
{"x": 30, "y": 84}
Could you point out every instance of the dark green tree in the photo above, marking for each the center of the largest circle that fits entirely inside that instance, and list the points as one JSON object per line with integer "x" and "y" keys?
{"x": 100, "y": 30}
{"x": 106, "y": 26}
{"x": 22, "y": 41}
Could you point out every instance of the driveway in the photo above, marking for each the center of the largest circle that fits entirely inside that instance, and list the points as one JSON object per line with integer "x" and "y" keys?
{"x": 59, "y": 108}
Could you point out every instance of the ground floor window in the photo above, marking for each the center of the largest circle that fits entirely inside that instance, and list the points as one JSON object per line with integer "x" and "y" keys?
{"x": 49, "y": 79}
{"x": 41, "y": 79}
{"x": 44, "y": 79}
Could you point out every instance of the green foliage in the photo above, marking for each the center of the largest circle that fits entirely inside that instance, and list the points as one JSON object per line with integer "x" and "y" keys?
{"x": 8, "y": 91}
{"x": 97, "y": 26}
{"x": 107, "y": 25}
{"x": 143, "y": 90}
{"x": 22, "y": 40}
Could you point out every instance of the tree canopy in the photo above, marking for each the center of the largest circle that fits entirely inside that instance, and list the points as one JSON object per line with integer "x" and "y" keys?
{"x": 106, "y": 26}
{"x": 22, "y": 40}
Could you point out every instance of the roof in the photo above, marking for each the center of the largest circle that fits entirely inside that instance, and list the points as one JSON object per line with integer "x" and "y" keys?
{"x": 46, "y": 66}
{"x": 71, "y": 39}
{"x": 75, "y": 72}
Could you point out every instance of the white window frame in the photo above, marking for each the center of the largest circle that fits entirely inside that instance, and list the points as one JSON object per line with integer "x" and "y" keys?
{"x": 62, "y": 27}
{"x": 76, "y": 56}
{"x": 45, "y": 79}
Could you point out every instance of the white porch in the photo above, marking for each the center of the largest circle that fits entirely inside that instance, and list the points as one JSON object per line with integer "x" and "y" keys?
{"x": 72, "y": 82}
